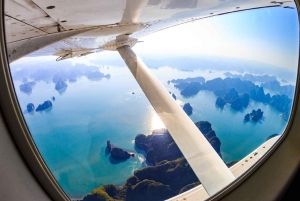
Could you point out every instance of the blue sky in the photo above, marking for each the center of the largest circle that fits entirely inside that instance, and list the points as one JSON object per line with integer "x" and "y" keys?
{"x": 268, "y": 35}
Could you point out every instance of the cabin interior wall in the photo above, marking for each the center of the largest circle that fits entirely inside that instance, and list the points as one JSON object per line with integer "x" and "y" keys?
{"x": 17, "y": 181}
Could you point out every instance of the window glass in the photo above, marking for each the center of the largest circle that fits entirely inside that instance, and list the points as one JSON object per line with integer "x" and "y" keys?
{"x": 234, "y": 75}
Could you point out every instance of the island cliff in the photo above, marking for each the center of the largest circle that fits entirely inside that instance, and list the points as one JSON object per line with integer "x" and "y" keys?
{"x": 117, "y": 153}
{"x": 30, "y": 107}
{"x": 47, "y": 104}
{"x": 188, "y": 109}
{"x": 255, "y": 115}
{"x": 170, "y": 176}
{"x": 60, "y": 84}
{"x": 237, "y": 93}
{"x": 27, "y": 87}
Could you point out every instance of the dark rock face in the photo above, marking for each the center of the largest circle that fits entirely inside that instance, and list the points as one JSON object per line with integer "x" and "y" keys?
{"x": 257, "y": 93}
{"x": 147, "y": 190}
{"x": 256, "y": 115}
{"x": 188, "y": 109}
{"x": 281, "y": 103}
{"x": 158, "y": 146}
{"x": 173, "y": 95}
{"x": 274, "y": 85}
{"x": 60, "y": 84}
{"x": 230, "y": 88}
{"x": 247, "y": 117}
{"x": 30, "y": 107}
{"x": 109, "y": 146}
{"x": 209, "y": 134}
{"x": 215, "y": 84}
{"x": 181, "y": 86}
{"x": 237, "y": 103}
{"x": 47, "y": 104}
{"x": 108, "y": 192}
{"x": 171, "y": 174}
{"x": 231, "y": 95}
{"x": 220, "y": 102}
{"x": 60, "y": 76}
{"x": 220, "y": 92}
{"x": 27, "y": 87}
{"x": 245, "y": 99}
{"x": 267, "y": 98}
{"x": 192, "y": 89}
{"x": 288, "y": 90}
{"x": 152, "y": 183}
{"x": 117, "y": 153}
{"x": 141, "y": 141}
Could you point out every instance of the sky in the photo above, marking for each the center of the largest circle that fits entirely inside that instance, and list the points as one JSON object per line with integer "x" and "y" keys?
{"x": 268, "y": 35}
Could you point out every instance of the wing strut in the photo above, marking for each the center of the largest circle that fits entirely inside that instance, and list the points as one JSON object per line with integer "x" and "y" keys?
{"x": 205, "y": 162}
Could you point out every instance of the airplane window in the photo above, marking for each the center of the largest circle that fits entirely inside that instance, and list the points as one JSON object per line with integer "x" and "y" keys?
{"x": 103, "y": 130}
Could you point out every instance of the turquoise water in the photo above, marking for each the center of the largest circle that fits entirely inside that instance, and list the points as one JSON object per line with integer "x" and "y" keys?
{"x": 72, "y": 135}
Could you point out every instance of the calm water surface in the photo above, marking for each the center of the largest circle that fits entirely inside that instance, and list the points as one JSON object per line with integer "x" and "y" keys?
{"x": 72, "y": 135}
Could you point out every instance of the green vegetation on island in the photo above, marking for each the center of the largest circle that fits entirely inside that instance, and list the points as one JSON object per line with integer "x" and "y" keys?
{"x": 170, "y": 175}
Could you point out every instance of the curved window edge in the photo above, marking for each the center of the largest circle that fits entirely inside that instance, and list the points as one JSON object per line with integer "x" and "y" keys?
{"x": 21, "y": 134}
{"x": 17, "y": 126}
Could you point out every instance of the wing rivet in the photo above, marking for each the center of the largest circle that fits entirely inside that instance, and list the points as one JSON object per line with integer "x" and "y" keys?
{"x": 50, "y": 7}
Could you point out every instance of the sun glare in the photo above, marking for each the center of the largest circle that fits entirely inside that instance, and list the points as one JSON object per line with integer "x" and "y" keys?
{"x": 156, "y": 122}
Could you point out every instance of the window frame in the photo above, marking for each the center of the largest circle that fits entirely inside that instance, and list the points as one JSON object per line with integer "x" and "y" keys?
{"x": 14, "y": 118}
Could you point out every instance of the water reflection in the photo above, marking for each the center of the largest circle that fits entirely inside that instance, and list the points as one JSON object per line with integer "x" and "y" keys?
{"x": 155, "y": 122}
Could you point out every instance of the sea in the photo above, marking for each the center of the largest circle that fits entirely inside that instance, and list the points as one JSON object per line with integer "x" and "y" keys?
{"x": 72, "y": 135}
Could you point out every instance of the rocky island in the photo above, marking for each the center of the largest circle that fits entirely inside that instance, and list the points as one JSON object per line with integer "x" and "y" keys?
{"x": 188, "y": 109}
{"x": 174, "y": 96}
{"x": 170, "y": 175}
{"x": 194, "y": 79}
{"x": 220, "y": 102}
{"x": 60, "y": 84}
{"x": 30, "y": 107}
{"x": 237, "y": 93}
{"x": 47, "y": 104}
{"x": 118, "y": 153}
{"x": 96, "y": 75}
{"x": 254, "y": 115}
{"x": 27, "y": 87}
{"x": 252, "y": 78}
